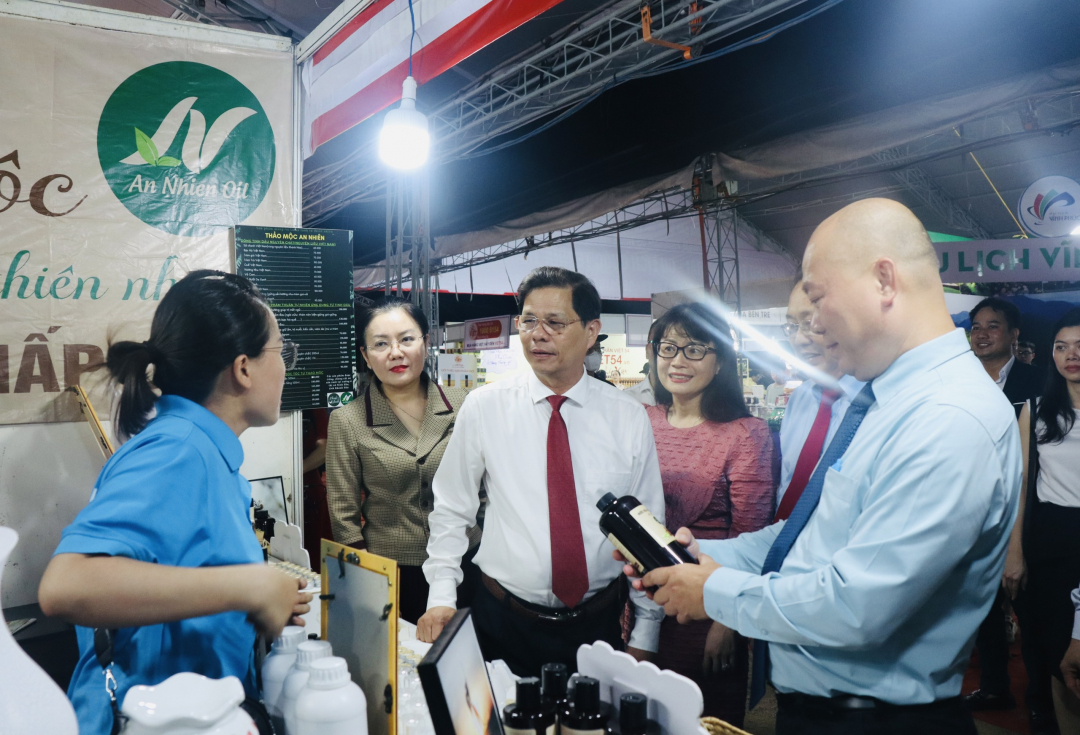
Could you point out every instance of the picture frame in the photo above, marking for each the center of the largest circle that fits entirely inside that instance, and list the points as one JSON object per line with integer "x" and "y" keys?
{"x": 359, "y": 596}
{"x": 270, "y": 493}
{"x": 456, "y": 682}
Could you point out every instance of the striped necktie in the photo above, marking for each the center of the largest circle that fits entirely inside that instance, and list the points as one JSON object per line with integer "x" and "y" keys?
{"x": 799, "y": 518}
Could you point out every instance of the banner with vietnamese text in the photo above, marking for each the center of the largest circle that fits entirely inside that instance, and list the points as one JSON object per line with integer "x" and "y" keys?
{"x": 124, "y": 160}
{"x": 997, "y": 261}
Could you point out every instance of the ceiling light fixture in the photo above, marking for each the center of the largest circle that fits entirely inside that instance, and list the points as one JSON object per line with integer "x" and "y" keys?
{"x": 404, "y": 142}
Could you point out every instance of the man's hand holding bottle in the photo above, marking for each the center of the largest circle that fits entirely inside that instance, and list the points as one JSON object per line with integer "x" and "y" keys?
{"x": 679, "y": 589}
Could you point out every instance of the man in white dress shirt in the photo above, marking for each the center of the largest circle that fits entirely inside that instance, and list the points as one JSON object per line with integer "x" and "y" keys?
{"x": 814, "y": 410}
{"x": 643, "y": 392}
{"x": 547, "y": 446}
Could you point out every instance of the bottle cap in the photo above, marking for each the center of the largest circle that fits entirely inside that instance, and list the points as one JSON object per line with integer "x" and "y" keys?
{"x": 328, "y": 673}
{"x": 608, "y": 500}
{"x": 587, "y": 694}
{"x": 633, "y": 711}
{"x": 289, "y": 639}
{"x": 553, "y": 681}
{"x": 309, "y": 652}
{"x": 528, "y": 693}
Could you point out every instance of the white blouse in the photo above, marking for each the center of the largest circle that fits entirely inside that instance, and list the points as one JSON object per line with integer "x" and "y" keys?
{"x": 1059, "y": 468}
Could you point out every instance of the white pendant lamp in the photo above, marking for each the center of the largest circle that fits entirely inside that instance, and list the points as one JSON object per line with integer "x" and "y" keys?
{"x": 404, "y": 141}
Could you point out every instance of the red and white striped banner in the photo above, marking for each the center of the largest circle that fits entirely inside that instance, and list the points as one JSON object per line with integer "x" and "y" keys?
{"x": 359, "y": 70}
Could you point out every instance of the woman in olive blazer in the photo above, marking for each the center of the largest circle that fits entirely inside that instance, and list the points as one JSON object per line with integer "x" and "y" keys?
{"x": 383, "y": 450}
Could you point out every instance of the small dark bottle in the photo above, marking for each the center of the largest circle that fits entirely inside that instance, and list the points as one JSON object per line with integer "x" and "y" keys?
{"x": 637, "y": 534}
{"x": 585, "y": 714}
{"x": 553, "y": 678}
{"x": 529, "y": 715}
{"x": 634, "y": 717}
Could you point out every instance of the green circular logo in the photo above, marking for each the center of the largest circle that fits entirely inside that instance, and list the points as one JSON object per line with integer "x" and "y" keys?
{"x": 186, "y": 148}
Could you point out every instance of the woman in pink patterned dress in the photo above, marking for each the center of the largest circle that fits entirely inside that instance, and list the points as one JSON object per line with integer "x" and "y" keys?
{"x": 716, "y": 464}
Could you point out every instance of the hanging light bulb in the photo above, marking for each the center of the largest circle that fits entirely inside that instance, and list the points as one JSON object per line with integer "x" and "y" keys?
{"x": 404, "y": 141}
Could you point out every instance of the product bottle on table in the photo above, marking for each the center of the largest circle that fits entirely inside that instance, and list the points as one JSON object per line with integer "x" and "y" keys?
{"x": 529, "y": 715}
{"x": 585, "y": 714}
{"x": 331, "y": 704}
{"x": 276, "y": 667}
{"x": 553, "y": 679}
{"x": 634, "y": 717}
{"x": 307, "y": 653}
{"x": 637, "y": 534}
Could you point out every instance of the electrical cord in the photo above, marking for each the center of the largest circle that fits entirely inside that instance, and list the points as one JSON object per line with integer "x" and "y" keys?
{"x": 412, "y": 20}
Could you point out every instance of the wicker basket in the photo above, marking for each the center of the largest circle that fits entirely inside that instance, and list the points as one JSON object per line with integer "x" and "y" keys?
{"x": 719, "y": 727}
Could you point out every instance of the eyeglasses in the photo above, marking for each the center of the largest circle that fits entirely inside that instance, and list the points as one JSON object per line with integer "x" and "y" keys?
{"x": 290, "y": 353}
{"x": 529, "y": 323}
{"x": 692, "y": 351}
{"x": 791, "y": 328}
{"x": 384, "y": 345}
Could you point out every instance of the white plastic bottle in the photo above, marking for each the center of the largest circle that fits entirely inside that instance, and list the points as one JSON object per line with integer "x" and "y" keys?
{"x": 276, "y": 666}
{"x": 30, "y": 701}
{"x": 306, "y": 654}
{"x": 331, "y": 704}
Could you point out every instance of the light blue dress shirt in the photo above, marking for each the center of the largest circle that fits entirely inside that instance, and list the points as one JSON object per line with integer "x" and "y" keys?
{"x": 802, "y": 409}
{"x": 173, "y": 494}
{"x": 884, "y": 589}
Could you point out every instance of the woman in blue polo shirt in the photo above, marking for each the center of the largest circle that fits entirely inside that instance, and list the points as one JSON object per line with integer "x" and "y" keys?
{"x": 164, "y": 551}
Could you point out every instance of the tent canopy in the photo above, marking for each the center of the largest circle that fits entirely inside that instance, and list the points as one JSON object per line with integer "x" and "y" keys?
{"x": 856, "y": 59}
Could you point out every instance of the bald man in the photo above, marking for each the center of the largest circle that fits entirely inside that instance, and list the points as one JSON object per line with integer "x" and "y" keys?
{"x": 865, "y": 602}
{"x": 815, "y": 409}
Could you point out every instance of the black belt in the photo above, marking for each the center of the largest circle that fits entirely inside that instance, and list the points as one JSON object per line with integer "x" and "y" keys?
{"x": 611, "y": 594}
{"x": 849, "y": 702}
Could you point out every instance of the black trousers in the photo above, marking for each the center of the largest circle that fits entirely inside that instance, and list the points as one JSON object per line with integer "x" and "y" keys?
{"x": 993, "y": 645}
{"x": 413, "y": 591}
{"x": 941, "y": 718}
{"x": 526, "y": 644}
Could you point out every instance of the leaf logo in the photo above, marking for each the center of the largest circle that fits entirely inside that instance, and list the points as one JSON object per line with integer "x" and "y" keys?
{"x": 199, "y": 149}
{"x": 193, "y": 170}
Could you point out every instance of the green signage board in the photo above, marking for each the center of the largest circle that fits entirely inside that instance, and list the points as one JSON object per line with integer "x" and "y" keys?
{"x": 306, "y": 276}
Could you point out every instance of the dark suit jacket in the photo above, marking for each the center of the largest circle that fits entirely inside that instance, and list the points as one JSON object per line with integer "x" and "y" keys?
{"x": 1024, "y": 382}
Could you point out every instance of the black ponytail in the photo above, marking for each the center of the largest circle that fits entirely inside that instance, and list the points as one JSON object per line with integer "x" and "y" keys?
{"x": 201, "y": 326}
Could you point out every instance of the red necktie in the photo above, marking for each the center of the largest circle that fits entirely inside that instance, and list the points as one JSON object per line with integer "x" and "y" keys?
{"x": 809, "y": 456}
{"x": 569, "y": 572}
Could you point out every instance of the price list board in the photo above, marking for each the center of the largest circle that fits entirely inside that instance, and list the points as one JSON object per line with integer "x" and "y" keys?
{"x": 307, "y": 277}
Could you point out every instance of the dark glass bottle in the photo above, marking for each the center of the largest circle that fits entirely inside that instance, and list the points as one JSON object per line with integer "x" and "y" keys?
{"x": 585, "y": 714}
{"x": 633, "y": 717}
{"x": 634, "y": 531}
{"x": 529, "y": 715}
{"x": 553, "y": 678}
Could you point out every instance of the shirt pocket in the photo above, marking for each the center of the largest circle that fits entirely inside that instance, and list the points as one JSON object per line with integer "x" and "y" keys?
{"x": 830, "y": 526}
{"x": 600, "y": 482}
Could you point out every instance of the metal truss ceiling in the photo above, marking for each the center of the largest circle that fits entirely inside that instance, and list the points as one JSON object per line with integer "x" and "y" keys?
{"x": 919, "y": 183}
{"x": 668, "y": 204}
{"x": 543, "y": 80}
{"x": 1044, "y": 116}
{"x": 233, "y": 11}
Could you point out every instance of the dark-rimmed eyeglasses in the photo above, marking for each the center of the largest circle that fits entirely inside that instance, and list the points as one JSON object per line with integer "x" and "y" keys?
{"x": 692, "y": 351}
